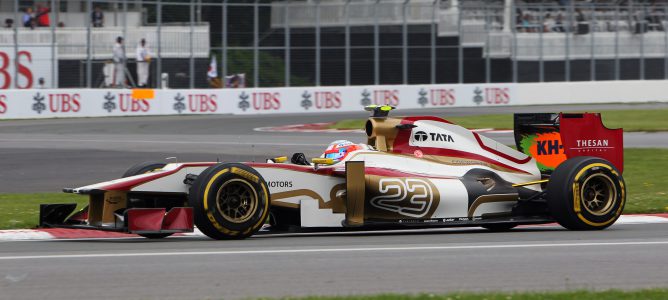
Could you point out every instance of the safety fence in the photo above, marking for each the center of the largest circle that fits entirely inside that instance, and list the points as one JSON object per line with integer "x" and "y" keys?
{"x": 55, "y": 103}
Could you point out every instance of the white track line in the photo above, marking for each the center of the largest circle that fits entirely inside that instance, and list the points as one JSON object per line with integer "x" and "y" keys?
{"x": 331, "y": 250}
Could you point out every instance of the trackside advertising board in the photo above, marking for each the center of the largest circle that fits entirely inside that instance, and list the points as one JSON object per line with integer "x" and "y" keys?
{"x": 54, "y": 103}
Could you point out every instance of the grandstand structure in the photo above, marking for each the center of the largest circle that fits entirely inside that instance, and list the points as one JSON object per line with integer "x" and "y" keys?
{"x": 424, "y": 41}
{"x": 350, "y": 42}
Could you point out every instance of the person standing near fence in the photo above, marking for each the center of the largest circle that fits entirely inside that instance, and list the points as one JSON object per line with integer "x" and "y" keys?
{"x": 119, "y": 63}
{"x": 143, "y": 61}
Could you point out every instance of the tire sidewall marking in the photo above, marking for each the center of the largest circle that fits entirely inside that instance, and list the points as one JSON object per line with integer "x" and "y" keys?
{"x": 576, "y": 193}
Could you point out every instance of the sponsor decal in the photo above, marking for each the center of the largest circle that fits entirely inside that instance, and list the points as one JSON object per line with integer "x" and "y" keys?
{"x": 592, "y": 144}
{"x": 442, "y": 97}
{"x": 39, "y": 105}
{"x": 179, "y": 106}
{"x": 422, "y": 99}
{"x": 281, "y": 184}
{"x": 243, "y": 104}
{"x": 418, "y": 153}
{"x": 60, "y": 102}
{"x": 202, "y": 103}
{"x": 323, "y": 100}
{"x": 546, "y": 148}
{"x": 22, "y": 63}
{"x": 260, "y": 101}
{"x": 477, "y": 96}
{"x": 491, "y": 95}
{"x": 366, "y": 101}
{"x": 328, "y": 100}
{"x": 109, "y": 105}
{"x": 380, "y": 97}
{"x": 64, "y": 102}
{"x": 3, "y": 104}
{"x": 306, "y": 100}
{"x": 421, "y": 136}
{"x": 410, "y": 197}
{"x": 129, "y": 104}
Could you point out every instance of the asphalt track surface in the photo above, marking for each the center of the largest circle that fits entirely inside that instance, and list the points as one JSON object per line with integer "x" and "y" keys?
{"x": 550, "y": 258}
{"x": 47, "y": 155}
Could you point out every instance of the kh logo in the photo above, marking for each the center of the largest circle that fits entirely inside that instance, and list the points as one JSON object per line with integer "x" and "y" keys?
{"x": 548, "y": 147}
{"x": 420, "y": 136}
{"x": 410, "y": 197}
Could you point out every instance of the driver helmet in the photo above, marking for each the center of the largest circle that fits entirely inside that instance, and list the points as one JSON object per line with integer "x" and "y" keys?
{"x": 338, "y": 150}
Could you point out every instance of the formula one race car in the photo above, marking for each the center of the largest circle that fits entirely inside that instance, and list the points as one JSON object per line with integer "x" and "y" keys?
{"x": 413, "y": 172}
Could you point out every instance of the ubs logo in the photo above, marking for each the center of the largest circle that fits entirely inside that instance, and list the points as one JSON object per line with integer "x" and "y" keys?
{"x": 420, "y": 136}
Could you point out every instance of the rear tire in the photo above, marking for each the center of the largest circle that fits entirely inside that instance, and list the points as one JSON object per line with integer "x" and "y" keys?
{"x": 230, "y": 201}
{"x": 586, "y": 193}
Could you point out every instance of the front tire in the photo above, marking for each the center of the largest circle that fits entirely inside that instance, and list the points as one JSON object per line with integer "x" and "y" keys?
{"x": 586, "y": 193}
{"x": 230, "y": 201}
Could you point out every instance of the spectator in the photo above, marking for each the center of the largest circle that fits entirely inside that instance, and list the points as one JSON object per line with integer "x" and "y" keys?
{"x": 119, "y": 63}
{"x": 548, "y": 23}
{"x": 9, "y": 23}
{"x": 143, "y": 61}
{"x": 29, "y": 18}
{"x": 43, "y": 15}
{"x": 559, "y": 24}
{"x": 97, "y": 17}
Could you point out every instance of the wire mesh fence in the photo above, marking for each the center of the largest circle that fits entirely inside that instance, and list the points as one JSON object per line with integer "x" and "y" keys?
{"x": 207, "y": 43}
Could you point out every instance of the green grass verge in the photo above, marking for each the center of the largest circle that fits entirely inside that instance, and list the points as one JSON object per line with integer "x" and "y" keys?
{"x": 22, "y": 210}
{"x": 644, "y": 172}
{"x": 647, "y": 294}
{"x": 630, "y": 120}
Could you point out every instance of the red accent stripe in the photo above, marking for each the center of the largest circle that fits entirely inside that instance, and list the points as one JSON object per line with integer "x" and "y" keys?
{"x": 497, "y": 152}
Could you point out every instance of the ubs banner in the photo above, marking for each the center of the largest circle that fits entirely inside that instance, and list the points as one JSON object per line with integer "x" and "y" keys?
{"x": 50, "y": 103}
{"x": 29, "y": 67}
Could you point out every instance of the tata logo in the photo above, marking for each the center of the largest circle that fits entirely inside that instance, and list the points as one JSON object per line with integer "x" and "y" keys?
{"x": 420, "y": 136}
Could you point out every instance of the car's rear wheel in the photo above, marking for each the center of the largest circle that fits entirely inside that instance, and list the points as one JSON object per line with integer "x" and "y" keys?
{"x": 143, "y": 168}
{"x": 230, "y": 201}
{"x": 586, "y": 193}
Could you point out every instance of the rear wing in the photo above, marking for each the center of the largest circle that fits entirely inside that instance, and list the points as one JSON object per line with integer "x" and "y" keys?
{"x": 552, "y": 138}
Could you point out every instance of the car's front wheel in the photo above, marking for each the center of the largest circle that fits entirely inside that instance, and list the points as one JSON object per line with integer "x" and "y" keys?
{"x": 230, "y": 201}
